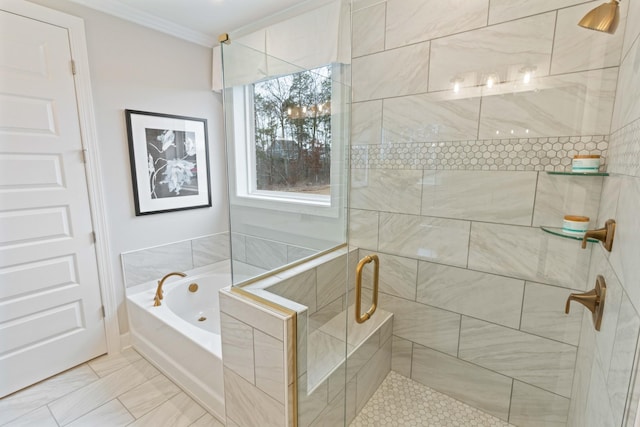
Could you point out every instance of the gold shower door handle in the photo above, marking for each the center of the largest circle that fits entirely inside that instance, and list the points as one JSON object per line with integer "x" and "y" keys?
{"x": 361, "y": 318}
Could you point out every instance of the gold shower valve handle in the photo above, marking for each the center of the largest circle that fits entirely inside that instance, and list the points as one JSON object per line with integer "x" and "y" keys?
{"x": 604, "y": 234}
{"x": 588, "y": 299}
{"x": 593, "y": 300}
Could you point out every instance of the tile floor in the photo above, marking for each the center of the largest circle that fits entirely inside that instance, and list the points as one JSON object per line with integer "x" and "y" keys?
{"x": 126, "y": 390}
{"x": 121, "y": 390}
{"x": 402, "y": 402}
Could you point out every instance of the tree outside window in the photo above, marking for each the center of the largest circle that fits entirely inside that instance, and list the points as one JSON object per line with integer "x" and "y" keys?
{"x": 293, "y": 132}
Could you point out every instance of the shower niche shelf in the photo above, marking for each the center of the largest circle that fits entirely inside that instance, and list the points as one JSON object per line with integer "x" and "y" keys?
{"x": 557, "y": 231}
{"x": 578, "y": 173}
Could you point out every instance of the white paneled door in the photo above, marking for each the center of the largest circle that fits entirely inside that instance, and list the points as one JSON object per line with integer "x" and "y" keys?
{"x": 51, "y": 316}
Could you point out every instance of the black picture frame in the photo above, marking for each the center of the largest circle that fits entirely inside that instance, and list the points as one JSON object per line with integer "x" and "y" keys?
{"x": 169, "y": 158}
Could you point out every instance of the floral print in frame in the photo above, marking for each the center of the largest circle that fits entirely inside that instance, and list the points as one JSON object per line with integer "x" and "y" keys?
{"x": 169, "y": 162}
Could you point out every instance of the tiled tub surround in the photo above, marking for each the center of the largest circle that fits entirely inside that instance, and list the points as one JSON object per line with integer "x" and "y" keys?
{"x": 258, "y": 391}
{"x": 254, "y": 255}
{"x": 251, "y": 256}
{"x": 148, "y": 264}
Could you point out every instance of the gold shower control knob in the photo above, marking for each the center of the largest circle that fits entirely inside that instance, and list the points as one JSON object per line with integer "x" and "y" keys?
{"x": 593, "y": 300}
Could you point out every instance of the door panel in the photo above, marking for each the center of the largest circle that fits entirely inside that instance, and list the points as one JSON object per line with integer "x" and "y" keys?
{"x": 50, "y": 305}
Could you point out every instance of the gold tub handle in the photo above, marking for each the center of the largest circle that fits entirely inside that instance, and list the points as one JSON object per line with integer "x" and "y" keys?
{"x": 361, "y": 318}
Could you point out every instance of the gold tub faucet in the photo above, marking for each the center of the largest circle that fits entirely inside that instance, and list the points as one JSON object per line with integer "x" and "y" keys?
{"x": 159, "y": 295}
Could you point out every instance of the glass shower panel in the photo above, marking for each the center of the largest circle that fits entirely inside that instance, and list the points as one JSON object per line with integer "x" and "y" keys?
{"x": 463, "y": 136}
{"x": 287, "y": 136}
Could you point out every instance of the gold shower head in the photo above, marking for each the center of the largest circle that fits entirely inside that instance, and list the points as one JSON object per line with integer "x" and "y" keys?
{"x": 603, "y": 18}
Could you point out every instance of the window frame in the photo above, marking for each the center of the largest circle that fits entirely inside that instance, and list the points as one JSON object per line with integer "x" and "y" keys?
{"x": 244, "y": 154}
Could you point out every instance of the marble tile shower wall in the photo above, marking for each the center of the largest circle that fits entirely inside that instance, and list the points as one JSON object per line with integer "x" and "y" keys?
{"x": 258, "y": 362}
{"x": 144, "y": 265}
{"x": 449, "y": 188}
{"x": 257, "y": 349}
{"x": 606, "y": 389}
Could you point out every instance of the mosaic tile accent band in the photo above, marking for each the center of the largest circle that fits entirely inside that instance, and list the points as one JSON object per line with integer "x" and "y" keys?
{"x": 523, "y": 154}
{"x": 625, "y": 150}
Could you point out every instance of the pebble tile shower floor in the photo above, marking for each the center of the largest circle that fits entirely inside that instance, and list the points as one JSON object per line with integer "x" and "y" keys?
{"x": 402, "y": 402}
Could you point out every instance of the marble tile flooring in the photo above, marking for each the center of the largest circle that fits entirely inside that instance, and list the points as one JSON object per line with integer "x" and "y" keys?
{"x": 126, "y": 390}
{"x": 109, "y": 391}
{"x": 400, "y": 401}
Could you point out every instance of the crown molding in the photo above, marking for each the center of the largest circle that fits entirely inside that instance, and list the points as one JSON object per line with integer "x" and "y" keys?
{"x": 121, "y": 10}
{"x": 283, "y": 15}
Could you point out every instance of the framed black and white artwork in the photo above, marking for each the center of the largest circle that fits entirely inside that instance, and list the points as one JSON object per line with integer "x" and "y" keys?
{"x": 169, "y": 162}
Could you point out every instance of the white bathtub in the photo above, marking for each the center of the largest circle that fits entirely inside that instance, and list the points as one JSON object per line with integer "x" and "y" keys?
{"x": 170, "y": 336}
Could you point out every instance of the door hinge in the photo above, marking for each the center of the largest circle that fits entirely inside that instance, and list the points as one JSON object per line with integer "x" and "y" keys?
{"x": 73, "y": 67}
{"x": 104, "y": 314}
{"x": 84, "y": 154}
{"x": 93, "y": 237}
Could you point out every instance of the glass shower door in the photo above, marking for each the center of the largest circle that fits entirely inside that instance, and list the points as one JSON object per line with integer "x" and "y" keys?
{"x": 465, "y": 124}
{"x": 287, "y": 133}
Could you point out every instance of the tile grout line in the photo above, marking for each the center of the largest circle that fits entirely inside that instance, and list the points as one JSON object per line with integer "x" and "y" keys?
{"x": 458, "y": 33}
{"x": 466, "y": 267}
{"x": 553, "y": 41}
{"x": 51, "y": 414}
{"x": 493, "y": 371}
{"x": 429, "y": 66}
{"x": 115, "y": 397}
{"x": 127, "y": 409}
{"x": 411, "y": 360}
{"x": 459, "y": 338}
{"x": 471, "y": 269}
{"x": 384, "y": 35}
{"x": 171, "y": 396}
{"x": 535, "y": 198}
{"x": 488, "y": 11}
{"x": 478, "y": 86}
{"x": 524, "y": 293}
{"x": 510, "y": 400}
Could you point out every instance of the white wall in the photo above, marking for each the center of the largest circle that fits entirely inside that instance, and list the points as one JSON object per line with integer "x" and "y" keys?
{"x": 137, "y": 68}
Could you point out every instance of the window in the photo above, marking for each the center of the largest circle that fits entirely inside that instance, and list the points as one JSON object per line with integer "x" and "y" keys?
{"x": 292, "y": 133}
{"x": 288, "y": 141}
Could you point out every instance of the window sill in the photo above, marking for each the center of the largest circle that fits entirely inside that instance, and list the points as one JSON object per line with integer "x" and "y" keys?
{"x": 320, "y": 208}
{"x": 291, "y": 198}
